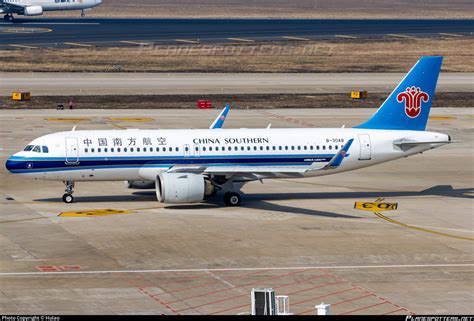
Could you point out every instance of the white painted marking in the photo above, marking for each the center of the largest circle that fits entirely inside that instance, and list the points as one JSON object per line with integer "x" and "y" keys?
{"x": 345, "y": 36}
{"x": 54, "y": 23}
{"x": 241, "y": 39}
{"x": 398, "y": 36}
{"x": 450, "y": 34}
{"x": 340, "y": 267}
{"x": 187, "y": 41}
{"x": 23, "y": 46}
{"x": 78, "y": 44}
{"x": 136, "y": 43}
{"x": 296, "y": 38}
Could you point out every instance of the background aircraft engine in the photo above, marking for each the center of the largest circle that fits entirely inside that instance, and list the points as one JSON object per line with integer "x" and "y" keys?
{"x": 33, "y": 11}
{"x": 179, "y": 188}
{"x": 140, "y": 184}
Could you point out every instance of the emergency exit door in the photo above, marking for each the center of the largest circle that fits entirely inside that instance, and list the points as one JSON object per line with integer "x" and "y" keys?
{"x": 365, "y": 147}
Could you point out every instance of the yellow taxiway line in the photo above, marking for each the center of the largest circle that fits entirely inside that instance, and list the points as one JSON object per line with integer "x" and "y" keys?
{"x": 422, "y": 229}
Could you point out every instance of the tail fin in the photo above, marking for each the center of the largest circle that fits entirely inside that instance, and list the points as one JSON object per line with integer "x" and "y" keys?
{"x": 408, "y": 106}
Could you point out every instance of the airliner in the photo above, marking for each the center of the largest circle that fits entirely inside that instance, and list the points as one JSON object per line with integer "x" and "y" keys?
{"x": 191, "y": 165}
{"x": 37, "y": 7}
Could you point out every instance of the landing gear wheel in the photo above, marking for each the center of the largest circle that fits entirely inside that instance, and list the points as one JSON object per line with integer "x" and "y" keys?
{"x": 8, "y": 17}
{"x": 232, "y": 199}
{"x": 68, "y": 198}
{"x": 83, "y": 14}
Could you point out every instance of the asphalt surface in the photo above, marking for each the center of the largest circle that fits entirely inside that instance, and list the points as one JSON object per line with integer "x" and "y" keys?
{"x": 212, "y": 83}
{"x": 49, "y": 32}
{"x": 303, "y": 237}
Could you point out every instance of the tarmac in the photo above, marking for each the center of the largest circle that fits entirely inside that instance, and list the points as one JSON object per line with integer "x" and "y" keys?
{"x": 47, "y": 32}
{"x": 213, "y": 83}
{"x": 302, "y": 237}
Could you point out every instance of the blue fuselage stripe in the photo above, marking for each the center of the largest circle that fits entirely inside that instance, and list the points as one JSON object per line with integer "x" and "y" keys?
{"x": 38, "y": 164}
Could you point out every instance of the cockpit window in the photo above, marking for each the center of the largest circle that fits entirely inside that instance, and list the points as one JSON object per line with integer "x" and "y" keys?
{"x": 37, "y": 149}
{"x": 45, "y": 149}
{"x": 28, "y": 148}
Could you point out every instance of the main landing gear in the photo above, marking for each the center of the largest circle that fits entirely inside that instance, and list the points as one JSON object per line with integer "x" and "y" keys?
{"x": 232, "y": 199}
{"x": 67, "y": 197}
{"x": 83, "y": 14}
{"x": 8, "y": 17}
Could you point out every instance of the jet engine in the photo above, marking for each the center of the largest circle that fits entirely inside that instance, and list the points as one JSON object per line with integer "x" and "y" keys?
{"x": 33, "y": 11}
{"x": 180, "y": 188}
{"x": 140, "y": 184}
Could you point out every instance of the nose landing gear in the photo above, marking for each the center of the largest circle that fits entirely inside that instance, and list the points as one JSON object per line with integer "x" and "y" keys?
{"x": 67, "y": 197}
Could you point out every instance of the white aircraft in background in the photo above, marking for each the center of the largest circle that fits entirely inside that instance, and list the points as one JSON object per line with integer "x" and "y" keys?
{"x": 37, "y": 7}
{"x": 188, "y": 165}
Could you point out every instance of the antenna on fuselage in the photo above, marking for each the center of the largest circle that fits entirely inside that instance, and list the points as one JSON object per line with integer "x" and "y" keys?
{"x": 74, "y": 128}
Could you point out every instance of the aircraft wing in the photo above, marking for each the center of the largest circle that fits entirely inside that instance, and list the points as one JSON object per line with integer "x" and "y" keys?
{"x": 11, "y": 7}
{"x": 219, "y": 121}
{"x": 259, "y": 171}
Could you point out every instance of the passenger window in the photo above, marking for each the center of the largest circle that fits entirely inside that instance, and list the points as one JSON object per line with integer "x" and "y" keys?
{"x": 118, "y": 150}
{"x": 324, "y": 147}
{"x": 125, "y": 149}
{"x": 330, "y": 147}
{"x": 86, "y": 150}
{"x": 170, "y": 149}
{"x": 229, "y": 148}
{"x": 204, "y": 149}
{"x": 305, "y": 147}
{"x": 138, "y": 149}
{"x": 242, "y": 148}
{"x": 105, "y": 150}
{"x": 286, "y": 147}
{"x": 236, "y": 148}
{"x": 311, "y": 147}
{"x": 112, "y": 149}
{"x": 177, "y": 149}
{"x": 186, "y": 149}
{"x": 98, "y": 150}
{"x": 261, "y": 147}
{"x": 268, "y": 147}
{"x": 45, "y": 149}
{"x": 144, "y": 149}
{"x": 248, "y": 147}
{"x": 292, "y": 147}
{"x": 317, "y": 147}
{"x": 131, "y": 149}
{"x": 299, "y": 147}
{"x": 255, "y": 148}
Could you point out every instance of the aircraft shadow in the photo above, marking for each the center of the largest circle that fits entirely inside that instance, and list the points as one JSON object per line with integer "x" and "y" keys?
{"x": 263, "y": 201}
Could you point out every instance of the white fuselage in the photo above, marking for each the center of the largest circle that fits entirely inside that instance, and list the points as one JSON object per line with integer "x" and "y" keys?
{"x": 116, "y": 155}
{"x": 57, "y": 5}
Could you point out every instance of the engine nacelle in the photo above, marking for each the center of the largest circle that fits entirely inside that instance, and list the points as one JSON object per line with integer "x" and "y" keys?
{"x": 33, "y": 11}
{"x": 180, "y": 188}
{"x": 140, "y": 184}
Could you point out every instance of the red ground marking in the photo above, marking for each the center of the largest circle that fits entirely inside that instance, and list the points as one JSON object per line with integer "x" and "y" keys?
{"x": 240, "y": 306}
{"x": 48, "y": 268}
{"x": 363, "y": 308}
{"x": 238, "y": 296}
{"x": 322, "y": 296}
{"x": 229, "y": 309}
{"x": 401, "y": 309}
{"x": 236, "y": 287}
{"x": 145, "y": 292}
{"x": 206, "y": 284}
{"x": 69, "y": 267}
{"x": 354, "y": 299}
{"x": 315, "y": 287}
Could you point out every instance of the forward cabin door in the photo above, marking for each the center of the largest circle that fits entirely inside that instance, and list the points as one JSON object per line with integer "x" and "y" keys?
{"x": 72, "y": 150}
{"x": 365, "y": 147}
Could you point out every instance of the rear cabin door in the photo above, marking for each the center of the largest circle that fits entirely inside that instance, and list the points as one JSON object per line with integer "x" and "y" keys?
{"x": 365, "y": 147}
{"x": 72, "y": 150}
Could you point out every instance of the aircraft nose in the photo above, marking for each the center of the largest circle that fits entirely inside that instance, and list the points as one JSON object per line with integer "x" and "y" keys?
{"x": 10, "y": 164}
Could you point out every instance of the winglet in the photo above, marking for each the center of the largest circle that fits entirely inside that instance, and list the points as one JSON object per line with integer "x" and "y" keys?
{"x": 339, "y": 157}
{"x": 219, "y": 121}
